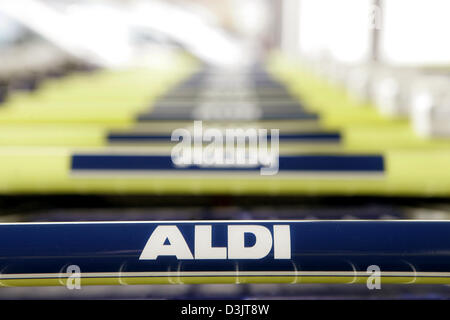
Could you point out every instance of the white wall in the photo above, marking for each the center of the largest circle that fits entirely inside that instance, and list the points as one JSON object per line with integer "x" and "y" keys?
{"x": 416, "y": 31}
{"x": 339, "y": 28}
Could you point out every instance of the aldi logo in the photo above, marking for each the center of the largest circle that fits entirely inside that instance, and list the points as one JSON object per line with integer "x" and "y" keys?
{"x": 167, "y": 240}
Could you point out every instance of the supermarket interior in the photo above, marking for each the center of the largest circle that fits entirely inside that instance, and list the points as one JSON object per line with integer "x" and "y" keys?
{"x": 198, "y": 149}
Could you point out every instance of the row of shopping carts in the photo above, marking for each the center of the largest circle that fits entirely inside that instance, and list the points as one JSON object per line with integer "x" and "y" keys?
{"x": 264, "y": 181}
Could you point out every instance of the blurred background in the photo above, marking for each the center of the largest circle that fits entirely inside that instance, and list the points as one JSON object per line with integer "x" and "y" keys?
{"x": 392, "y": 53}
{"x": 73, "y": 71}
